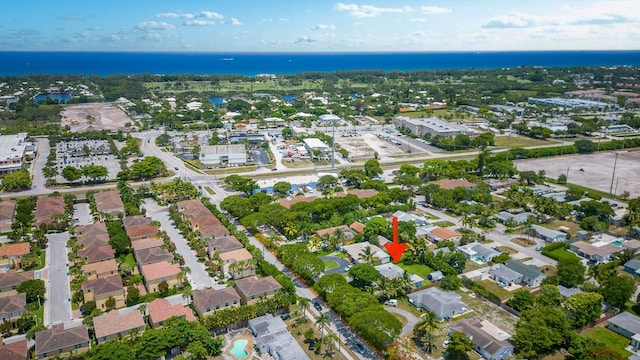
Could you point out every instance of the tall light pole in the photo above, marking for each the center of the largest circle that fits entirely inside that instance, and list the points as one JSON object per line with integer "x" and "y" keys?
{"x": 615, "y": 162}
{"x": 333, "y": 144}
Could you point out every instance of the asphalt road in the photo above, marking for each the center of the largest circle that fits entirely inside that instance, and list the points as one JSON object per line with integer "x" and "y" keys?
{"x": 198, "y": 277}
{"x": 83, "y": 214}
{"x": 412, "y": 320}
{"x": 57, "y": 308}
{"x": 342, "y": 264}
{"x": 38, "y": 179}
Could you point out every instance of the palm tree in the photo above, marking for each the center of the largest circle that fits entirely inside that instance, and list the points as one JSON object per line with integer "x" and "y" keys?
{"x": 427, "y": 324}
{"x": 406, "y": 281}
{"x": 290, "y": 231}
{"x": 322, "y": 321}
{"x": 428, "y": 343}
{"x": 303, "y": 303}
{"x": 338, "y": 237}
{"x": 331, "y": 340}
{"x": 367, "y": 256}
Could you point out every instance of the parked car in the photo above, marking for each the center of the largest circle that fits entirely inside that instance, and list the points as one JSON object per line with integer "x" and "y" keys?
{"x": 177, "y": 168}
{"x": 445, "y": 344}
{"x": 359, "y": 348}
{"x": 391, "y": 302}
{"x": 539, "y": 248}
{"x": 312, "y": 344}
{"x": 317, "y": 305}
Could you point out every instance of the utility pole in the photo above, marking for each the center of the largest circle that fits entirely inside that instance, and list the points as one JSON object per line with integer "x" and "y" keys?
{"x": 333, "y": 145}
{"x": 614, "y": 173}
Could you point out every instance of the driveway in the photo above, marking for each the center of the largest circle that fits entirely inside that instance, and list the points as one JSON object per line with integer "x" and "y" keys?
{"x": 412, "y": 320}
{"x": 82, "y": 212}
{"x": 57, "y": 308}
{"x": 342, "y": 264}
{"x": 39, "y": 163}
{"x": 198, "y": 277}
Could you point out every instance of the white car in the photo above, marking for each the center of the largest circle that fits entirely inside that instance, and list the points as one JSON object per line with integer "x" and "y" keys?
{"x": 445, "y": 344}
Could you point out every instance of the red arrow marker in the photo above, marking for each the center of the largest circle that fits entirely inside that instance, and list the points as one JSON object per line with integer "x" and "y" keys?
{"x": 395, "y": 249}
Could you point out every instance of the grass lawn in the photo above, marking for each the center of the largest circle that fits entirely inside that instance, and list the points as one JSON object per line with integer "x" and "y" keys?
{"x": 507, "y": 249}
{"x": 515, "y": 141}
{"x": 470, "y": 266}
{"x": 39, "y": 314}
{"x": 494, "y": 288}
{"x": 404, "y": 305}
{"x": 562, "y": 253}
{"x": 209, "y": 190}
{"x": 130, "y": 260}
{"x": 230, "y": 170}
{"x": 614, "y": 341}
{"x": 298, "y": 164}
{"x": 419, "y": 269}
{"x": 443, "y": 223}
{"x": 330, "y": 264}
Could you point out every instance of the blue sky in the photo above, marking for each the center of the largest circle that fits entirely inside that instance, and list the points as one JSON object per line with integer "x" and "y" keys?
{"x": 319, "y": 26}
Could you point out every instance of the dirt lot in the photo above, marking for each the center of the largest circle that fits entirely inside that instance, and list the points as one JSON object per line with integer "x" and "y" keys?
{"x": 365, "y": 144}
{"x": 94, "y": 116}
{"x": 597, "y": 170}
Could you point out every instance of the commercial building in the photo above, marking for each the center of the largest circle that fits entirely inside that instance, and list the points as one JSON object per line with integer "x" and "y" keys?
{"x": 223, "y": 155}
{"x": 314, "y": 144}
{"x": 12, "y": 152}
{"x": 431, "y": 126}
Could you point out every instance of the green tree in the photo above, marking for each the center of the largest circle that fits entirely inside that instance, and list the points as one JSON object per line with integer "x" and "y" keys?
{"x": 34, "y": 289}
{"x": 152, "y": 345}
{"x": 459, "y": 347}
{"x": 25, "y": 322}
{"x": 113, "y": 349}
{"x": 163, "y": 287}
{"x": 549, "y": 296}
{"x": 583, "y": 308}
{"x": 363, "y": 275}
{"x": 372, "y": 168}
{"x": 328, "y": 283}
{"x": 541, "y": 329}
{"x": 71, "y": 173}
{"x": 149, "y": 167}
{"x": 327, "y": 182}
{"x": 241, "y": 184}
{"x": 17, "y": 180}
{"x": 379, "y": 327}
{"x": 570, "y": 272}
{"x": 617, "y": 290}
{"x": 451, "y": 282}
{"x": 133, "y": 296}
{"x": 95, "y": 172}
{"x": 281, "y": 188}
{"x": 522, "y": 300}
{"x": 197, "y": 350}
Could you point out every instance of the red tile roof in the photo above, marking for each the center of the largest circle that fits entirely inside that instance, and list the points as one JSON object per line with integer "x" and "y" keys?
{"x": 287, "y": 203}
{"x": 253, "y": 286}
{"x": 160, "y": 310}
{"x": 159, "y": 270}
{"x": 15, "y": 249}
{"x": 47, "y": 207}
{"x": 14, "y": 351}
{"x": 115, "y": 322}
{"x": 104, "y": 285}
{"x": 57, "y": 338}
{"x": 146, "y": 244}
{"x": 141, "y": 230}
{"x": 96, "y": 254}
{"x": 448, "y": 184}
{"x": 108, "y": 201}
{"x": 444, "y": 233}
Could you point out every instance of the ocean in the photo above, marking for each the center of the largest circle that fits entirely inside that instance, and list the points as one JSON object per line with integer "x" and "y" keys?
{"x": 250, "y": 64}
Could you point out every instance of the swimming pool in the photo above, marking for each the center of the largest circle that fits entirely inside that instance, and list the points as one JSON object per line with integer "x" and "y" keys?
{"x": 617, "y": 243}
{"x": 238, "y": 349}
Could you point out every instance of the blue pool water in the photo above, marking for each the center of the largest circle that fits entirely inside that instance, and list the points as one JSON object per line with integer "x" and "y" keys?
{"x": 238, "y": 349}
{"x": 217, "y": 102}
{"x": 289, "y": 98}
{"x": 617, "y": 243}
{"x": 60, "y": 97}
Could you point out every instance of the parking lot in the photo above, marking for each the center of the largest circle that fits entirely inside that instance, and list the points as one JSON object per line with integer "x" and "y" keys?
{"x": 85, "y": 152}
{"x": 594, "y": 171}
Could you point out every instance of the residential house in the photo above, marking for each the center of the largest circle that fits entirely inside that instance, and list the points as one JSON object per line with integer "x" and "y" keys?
{"x": 346, "y": 232}
{"x": 272, "y": 336}
{"x": 504, "y": 276}
{"x": 566, "y": 292}
{"x": 102, "y": 289}
{"x": 632, "y": 267}
{"x": 393, "y": 271}
{"x": 14, "y": 350}
{"x": 531, "y": 275}
{"x": 143, "y": 231}
{"x": 451, "y": 184}
{"x": 498, "y": 184}
{"x": 224, "y": 244}
{"x": 548, "y": 234}
{"x": 478, "y": 253}
{"x": 49, "y": 210}
{"x": 12, "y": 307}
{"x": 109, "y": 202}
{"x": 7, "y": 212}
{"x": 11, "y": 255}
{"x": 118, "y": 323}
{"x": 237, "y": 263}
{"x": 97, "y": 254}
{"x": 445, "y": 304}
{"x": 207, "y": 301}
{"x": 356, "y": 250}
{"x": 602, "y": 253}
{"x": 159, "y": 272}
{"x": 100, "y": 269}
{"x": 152, "y": 255}
{"x": 93, "y": 239}
{"x": 632, "y": 244}
{"x": 437, "y": 234}
{"x": 62, "y": 339}
{"x": 357, "y": 227}
{"x": 540, "y": 189}
{"x": 362, "y": 193}
{"x": 489, "y": 340}
{"x": 435, "y": 276}
{"x": 135, "y": 220}
{"x": 145, "y": 244}
{"x": 625, "y": 324}
{"x": 251, "y": 289}
{"x": 92, "y": 230}
{"x": 517, "y": 219}
{"x": 214, "y": 232}
{"x": 413, "y": 218}
{"x": 160, "y": 310}
{"x": 10, "y": 280}
{"x": 287, "y": 203}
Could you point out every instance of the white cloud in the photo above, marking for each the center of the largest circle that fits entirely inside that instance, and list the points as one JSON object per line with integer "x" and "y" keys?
{"x": 513, "y": 20}
{"x": 432, "y": 10}
{"x": 235, "y": 21}
{"x": 419, "y": 20}
{"x": 198, "y": 22}
{"x": 172, "y": 15}
{"x": 323, "y": 27}
{"x": 367, "y": 11}
{"x": 267, "y": 20}
{"x": 153, "y": 25}
{"x": 304, "y": 39}
{"x": 211, "y": 15}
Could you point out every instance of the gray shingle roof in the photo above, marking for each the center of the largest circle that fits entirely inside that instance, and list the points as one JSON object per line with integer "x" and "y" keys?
{"x": 528, "y": 271}
{"x": 442, "y": 303}
{"x": 626, "y": 321}
{"x": 632, "y": 264}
